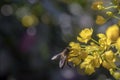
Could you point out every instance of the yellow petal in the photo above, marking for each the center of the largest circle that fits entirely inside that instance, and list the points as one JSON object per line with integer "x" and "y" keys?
{"x": 85, "y": 35}
{"x": 89, "y": 70}
{"x": 108, "y": 65}
{"x": 75, "y": 60}
{"x": 117, "y": 44}
{"x": 100, "y": 20}
{"x": 113, "y": 32}
{"x": 109, "y": 56}
{"x": 116, "y": 75}
{"x": 101, "y": 35}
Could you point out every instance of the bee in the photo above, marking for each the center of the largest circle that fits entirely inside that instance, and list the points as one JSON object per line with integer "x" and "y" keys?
{"x": 63, "y": 57}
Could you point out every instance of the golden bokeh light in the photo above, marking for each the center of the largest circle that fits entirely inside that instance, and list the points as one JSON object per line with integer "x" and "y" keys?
{"x": 29, "y": 20}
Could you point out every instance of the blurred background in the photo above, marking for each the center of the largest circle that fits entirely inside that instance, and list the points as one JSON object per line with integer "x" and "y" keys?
{"x": 32, "y": 31}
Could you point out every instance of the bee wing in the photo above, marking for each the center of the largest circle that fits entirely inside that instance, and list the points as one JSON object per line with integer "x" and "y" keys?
{"x": 55, "y": 57}
{"x": 62, "y": 61}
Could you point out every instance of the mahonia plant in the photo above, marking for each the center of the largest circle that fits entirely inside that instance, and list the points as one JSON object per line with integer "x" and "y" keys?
{"x": 112, "y": 10}
{"x": 89, "y": 54}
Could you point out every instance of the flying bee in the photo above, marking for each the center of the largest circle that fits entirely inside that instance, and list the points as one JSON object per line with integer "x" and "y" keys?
{"x": 63, "y": 57}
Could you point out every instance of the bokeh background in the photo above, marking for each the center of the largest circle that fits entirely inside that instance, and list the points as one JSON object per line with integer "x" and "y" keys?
{"x": 32, "y": 31}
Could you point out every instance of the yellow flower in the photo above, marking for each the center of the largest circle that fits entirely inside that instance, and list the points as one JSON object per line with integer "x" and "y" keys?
{"x": 85, "y": 35}
{"x": 74, "y": 60}
{"x": 76, "y": 55}
{"x": 97, "y": 5}
{"x": 117, "y": 44}
{"x": 86, "y": 61}
{"x": 77, "y": 58}
{"x": 96, "y": 62}
{"x": 92, "y": 47}
{"x": 113, "y": 32}
{"x": 109, "y": 13}
{"x": 100, "y": 20}
{"x": 108, "y": 60}
{"x": 104, "y": 41}
{"x": 89, "y": 69}
{"x": 90, "y": 63}
{"x": 74, "y": 49}
{"x": 116, "y": 75}
{"x": 109, "y": 56}
{"x": 108, "y": 65}
{"x": 83, "y": 55}
{"x": 100, "y": 35}
{"x": 74, "y": 45}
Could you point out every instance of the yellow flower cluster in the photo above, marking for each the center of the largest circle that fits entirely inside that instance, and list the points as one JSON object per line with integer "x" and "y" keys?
{"x": 91, "y": 62}
{"x": 108, "y": 10}
{"x": 90, "y": 54}
{"x": 97, "y": 5}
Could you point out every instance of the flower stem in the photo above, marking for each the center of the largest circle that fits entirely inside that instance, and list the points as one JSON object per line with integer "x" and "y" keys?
{"x": 94, "y": 41}
{"x": 111, "y": 7}
{"x": 116, "y": 17}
